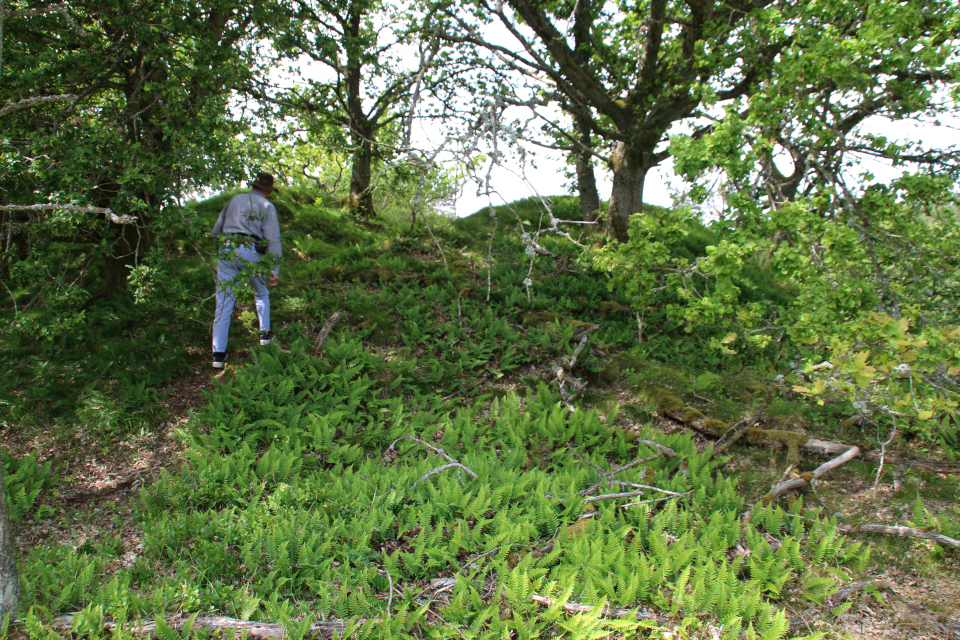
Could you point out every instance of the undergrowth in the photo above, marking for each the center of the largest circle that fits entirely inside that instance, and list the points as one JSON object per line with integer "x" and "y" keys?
{"x": 419, "y": 475}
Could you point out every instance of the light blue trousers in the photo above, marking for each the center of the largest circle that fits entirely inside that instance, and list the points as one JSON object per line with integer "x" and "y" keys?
{"x": 238, "y": 258}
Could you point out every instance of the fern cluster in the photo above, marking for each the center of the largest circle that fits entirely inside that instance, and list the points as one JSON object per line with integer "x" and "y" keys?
{"x": 292, "y": 492}
{"x": 25, "y": 478}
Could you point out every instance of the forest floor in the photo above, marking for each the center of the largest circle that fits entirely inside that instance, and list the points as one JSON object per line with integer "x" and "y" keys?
{"x": 99, "y": 488}
{"x": 446, "y": 334}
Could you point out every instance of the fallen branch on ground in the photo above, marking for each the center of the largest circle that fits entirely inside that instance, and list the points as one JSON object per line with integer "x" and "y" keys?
{"x": 454, "y": 463}
{"x": 735, "y": 432}
{"x": 807, "y": 478}
{"x": 665, "y": 450}
{"x": 325, "y": 629}
{"x": 564, "y": 371}
{"x": 608, "y": 611}
{"x": 635, "y": 463}
{"x": 830, "y": 447}
{"x": 901, "y": 532}
{"x": 325, "y": 332}
{"x": 637, "y": 504}
{"x": 820, "y": 447}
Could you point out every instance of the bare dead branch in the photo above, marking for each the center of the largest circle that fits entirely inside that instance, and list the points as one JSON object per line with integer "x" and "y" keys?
{"x": 432, "y": 447}
{"x": 434, "y": 472}
{"x": 635, "y": 463}
{"x": 608, "y": 611}
{"x": 177, "y": 622}
{"x": 113, "y": 217}
{"x": 808, "y": 478}
{"x": 325, "y": 332}
{"x": 901, "y": 532}
{"x": 36, "y": 101}
{"x": 665, "y": 450}
{"x": 671, "y": 497}
{"x": 613, "y": 496}
{"x": 454, "y": 463}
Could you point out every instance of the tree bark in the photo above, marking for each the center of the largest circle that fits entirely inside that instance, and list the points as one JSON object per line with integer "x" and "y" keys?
{"x": 582, "y": 159}
{"x": 586, "y": 179}
{"x": 361, "y": 195}
{"x": 626, "y": 196}
{"x": 9, "y": 580}
{"x": 361, "y": 129}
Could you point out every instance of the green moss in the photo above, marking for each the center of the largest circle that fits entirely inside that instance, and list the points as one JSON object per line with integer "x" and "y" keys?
{"x": 333, "y": 272}
{"x": 691, "y": 415}
{"x": 793, "y": 439}
{"x": 715, "y": 427}
{"x": 578, "y": 324}
{"x": 609, "y": 307}
{"x": 537, "y": 318}
{"x": 669, "y": 404}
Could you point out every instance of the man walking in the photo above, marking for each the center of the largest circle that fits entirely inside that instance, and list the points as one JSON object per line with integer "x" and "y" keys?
{"x": 252, "y": 231}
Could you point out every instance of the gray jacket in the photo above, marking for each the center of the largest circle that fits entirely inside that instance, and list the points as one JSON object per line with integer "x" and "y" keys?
{"x": 253, "y": 215}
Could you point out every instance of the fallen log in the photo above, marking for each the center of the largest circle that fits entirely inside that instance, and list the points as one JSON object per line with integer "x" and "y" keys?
{"x": 901, "y": 532}
{"x": 806, "y": 478}
{"x": 177, "y": 622}
{"x": 832, "y": 447}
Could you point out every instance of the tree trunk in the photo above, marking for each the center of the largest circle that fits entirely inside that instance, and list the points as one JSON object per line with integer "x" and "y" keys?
{"x": 626, "y": 197}
{"x": 9, "y": 581}
{"x": 362, "y": 130}
{"x": 131, "y": 245}
{"x": 586, "y": 180}
{"x": 361, "y": 195}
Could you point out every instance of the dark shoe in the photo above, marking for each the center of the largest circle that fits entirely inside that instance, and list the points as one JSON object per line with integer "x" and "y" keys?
{"x": 266, "y": 337}
{"x": 219, "y": 360}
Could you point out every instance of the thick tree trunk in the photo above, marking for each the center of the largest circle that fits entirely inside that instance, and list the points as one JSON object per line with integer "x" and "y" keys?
{"x": 132, "y": 244}
{"x": 362, "y": 130}
{"x": 586, "y": 180}
{"x": 9, "y": 581}
{"x": 626, "y": 197}
{"x": 361, "y": 195}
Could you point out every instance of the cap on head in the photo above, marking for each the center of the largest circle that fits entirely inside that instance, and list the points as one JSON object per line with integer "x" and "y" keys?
{"x": 264, "y": 182}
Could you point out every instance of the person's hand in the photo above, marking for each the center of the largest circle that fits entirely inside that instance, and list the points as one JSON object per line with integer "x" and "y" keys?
{"x": 273, "y": 280}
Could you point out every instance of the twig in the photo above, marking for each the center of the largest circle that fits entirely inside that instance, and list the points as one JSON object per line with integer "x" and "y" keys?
{"x": 563, "y": 371}
{"x": 665, "y": 450}
{"x": 635, "y": 463}
{"x": 613, "y": 496}
{"x": 454, "y": 463}
{"x": 432, "y": 447}
{"x": 325, "y": 332}
{"x": 612, "y": 612}
{"x": 389, "y": 591}
{"x": 434, "y": 472}
{"x": 650, "y": 488}
{"x": 16, "y": 311}
{"x": 637, "y": 504}
{"x": 883, "y": 451}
